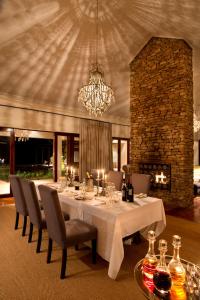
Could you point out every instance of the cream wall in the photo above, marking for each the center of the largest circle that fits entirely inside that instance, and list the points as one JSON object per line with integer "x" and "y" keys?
{"x": 47, "y": 121}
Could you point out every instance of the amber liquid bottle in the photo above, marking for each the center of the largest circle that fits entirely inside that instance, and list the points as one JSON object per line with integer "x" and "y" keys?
{"x": 175, "y": 266}
{"x": 150, "y": 260}
{"x": 161, "y": 277}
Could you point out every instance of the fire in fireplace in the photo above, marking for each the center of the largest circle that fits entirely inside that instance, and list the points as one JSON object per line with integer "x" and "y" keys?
{"x": 160, "y": 175}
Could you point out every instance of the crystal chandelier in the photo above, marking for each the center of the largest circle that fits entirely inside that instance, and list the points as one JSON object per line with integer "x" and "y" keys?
{"x": 96, "y": 96}
{"x": 21, "y": 135}
{"x": 196, "y": 124}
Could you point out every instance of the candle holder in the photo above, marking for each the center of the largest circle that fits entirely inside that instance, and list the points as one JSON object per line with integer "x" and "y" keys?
{"x": 103, "y": 192}
{"x": 71, "y": 179}
{"x": 98, "y": 180}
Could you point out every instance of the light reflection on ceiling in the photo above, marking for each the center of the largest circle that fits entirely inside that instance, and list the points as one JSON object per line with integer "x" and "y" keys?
{"x": 47, "y": 47}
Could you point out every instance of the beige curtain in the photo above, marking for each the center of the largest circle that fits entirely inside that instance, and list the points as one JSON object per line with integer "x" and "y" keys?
{"x": 95, "y": 150}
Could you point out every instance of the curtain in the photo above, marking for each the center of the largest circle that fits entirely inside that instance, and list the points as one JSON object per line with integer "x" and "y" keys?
{"x": 95, "y": 146}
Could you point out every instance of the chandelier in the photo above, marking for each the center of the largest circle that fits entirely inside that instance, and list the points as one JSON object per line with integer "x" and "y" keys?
{"x": 96, "y": 96}
{"x": 21, "y": 135}
{"x": 196, "y": 124}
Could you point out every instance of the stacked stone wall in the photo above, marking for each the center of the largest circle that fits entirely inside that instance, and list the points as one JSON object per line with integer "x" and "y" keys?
{"x": 161, "y": 105}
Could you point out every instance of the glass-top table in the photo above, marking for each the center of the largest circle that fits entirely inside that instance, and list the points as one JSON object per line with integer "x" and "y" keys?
{"x": 190, "y": 291}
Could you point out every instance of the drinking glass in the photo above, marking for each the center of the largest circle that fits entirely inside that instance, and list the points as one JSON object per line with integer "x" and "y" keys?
{"x": 110, "y": 190}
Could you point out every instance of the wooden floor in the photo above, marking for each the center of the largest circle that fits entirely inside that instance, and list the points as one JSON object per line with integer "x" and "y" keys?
{"x": 191, "y": 214}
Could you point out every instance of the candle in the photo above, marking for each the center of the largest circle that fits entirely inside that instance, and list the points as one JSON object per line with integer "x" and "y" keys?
{"x": 105, "y": 178}
{"x": 103, "y": 174}
{"x": 71, "y": 170}
{"x": 67, "y": 169}
{"x": 98, "y": 174}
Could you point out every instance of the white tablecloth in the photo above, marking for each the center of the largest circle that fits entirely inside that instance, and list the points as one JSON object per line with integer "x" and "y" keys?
{"x": 114, "y": 223}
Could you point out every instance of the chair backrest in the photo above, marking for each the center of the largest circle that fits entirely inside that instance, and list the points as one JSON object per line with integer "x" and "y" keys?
{"x": 54, "y": 217}
{"x": 126, "y": 168}
{"x": 140, "y": 182}
{"x": 116, "y": 177}
{"x": 32, "y": 203}
{"x": 18, "y": 194}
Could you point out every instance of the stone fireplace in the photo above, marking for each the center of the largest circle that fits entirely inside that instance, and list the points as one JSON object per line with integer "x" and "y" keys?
{"x": 161, "y": 104}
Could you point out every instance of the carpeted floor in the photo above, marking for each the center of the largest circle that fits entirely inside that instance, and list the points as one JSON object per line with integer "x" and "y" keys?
{"x": 25, "y": 275}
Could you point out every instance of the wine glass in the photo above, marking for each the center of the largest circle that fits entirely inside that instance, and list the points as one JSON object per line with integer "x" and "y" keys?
{"x": 110, "y": 189}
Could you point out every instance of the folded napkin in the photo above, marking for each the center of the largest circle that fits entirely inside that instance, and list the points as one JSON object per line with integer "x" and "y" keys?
{"x": 141, "y": 195}
{"x": 97, "y": 202}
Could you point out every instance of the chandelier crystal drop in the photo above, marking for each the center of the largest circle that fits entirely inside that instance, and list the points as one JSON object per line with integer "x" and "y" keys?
{"x": 96, "y": 96}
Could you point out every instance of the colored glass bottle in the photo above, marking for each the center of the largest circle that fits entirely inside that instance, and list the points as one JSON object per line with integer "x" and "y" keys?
{"x": 150, "y": 260}
{"x": 175, "y": 266}
{"x": 124, "y": 191}
{"x": 161, "y": 277}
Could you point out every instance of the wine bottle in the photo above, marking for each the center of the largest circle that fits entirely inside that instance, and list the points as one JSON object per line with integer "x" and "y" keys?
{"x": 175, "y": 266}
{"x": 130, "y": 196}
{"x": 161, "y": 277}
{"x": 124, "y": 191}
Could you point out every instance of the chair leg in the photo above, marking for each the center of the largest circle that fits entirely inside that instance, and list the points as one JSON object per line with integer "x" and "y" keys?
{"x": 24, "y": 226}
{"x": 64, "y": 262}
{"x": 17, "y": 220}
{"x": 39, "y": 240}
{"x": 49, "y": 251}
{"x": 94, "y": 251}
{"x": 30, "y": 233}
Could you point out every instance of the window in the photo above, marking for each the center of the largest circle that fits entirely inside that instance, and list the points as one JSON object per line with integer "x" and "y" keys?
{"x": 66, "y": 153}
{"x": 26, "y": 153}
{"x": 120, "y": 151}
{"x": 4, "y": 162}
{"x": 34, "y": 156}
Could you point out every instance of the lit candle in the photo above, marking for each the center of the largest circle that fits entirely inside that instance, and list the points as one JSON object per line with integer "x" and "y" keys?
{"x": 98, "y": 174}
{"x": 103, "y": 174}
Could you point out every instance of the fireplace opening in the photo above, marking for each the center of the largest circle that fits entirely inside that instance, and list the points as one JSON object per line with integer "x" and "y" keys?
{"x": 160, "y": 175}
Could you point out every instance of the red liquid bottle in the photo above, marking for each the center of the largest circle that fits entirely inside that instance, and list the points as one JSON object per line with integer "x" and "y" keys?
{"x": 161, "y": 277}
{"x": 150, "y": 260}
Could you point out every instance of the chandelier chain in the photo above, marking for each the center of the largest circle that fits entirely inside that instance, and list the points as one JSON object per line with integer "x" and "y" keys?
{"x": 97, "y": 32}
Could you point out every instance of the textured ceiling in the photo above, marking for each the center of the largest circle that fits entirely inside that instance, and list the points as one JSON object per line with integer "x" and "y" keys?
{"x": 47, "y": 47}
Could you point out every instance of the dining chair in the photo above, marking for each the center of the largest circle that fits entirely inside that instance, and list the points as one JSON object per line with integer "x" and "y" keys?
{"x": 64, "y": 233}
{"x": 20, "y": 203}
{"x": 140, "y": 182}
{"x": 116, "y": 177}
{"x": 36, "y": 215}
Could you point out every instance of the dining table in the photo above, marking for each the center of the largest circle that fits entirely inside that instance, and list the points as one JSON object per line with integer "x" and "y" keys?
{"x": 114, "y": 221}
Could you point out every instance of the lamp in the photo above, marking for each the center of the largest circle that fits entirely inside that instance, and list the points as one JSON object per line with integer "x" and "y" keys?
{"x": 96, "y": 96}
{"x": 21, "y": 135}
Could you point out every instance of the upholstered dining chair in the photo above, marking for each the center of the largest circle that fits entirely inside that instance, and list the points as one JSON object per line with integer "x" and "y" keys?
{"x": 20, "y": 203}
{"x": 116, "y": 177}
{"x": 36, "y": 215}
{"x": 65, "y": 234}
{"x": 140, "y": 182}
